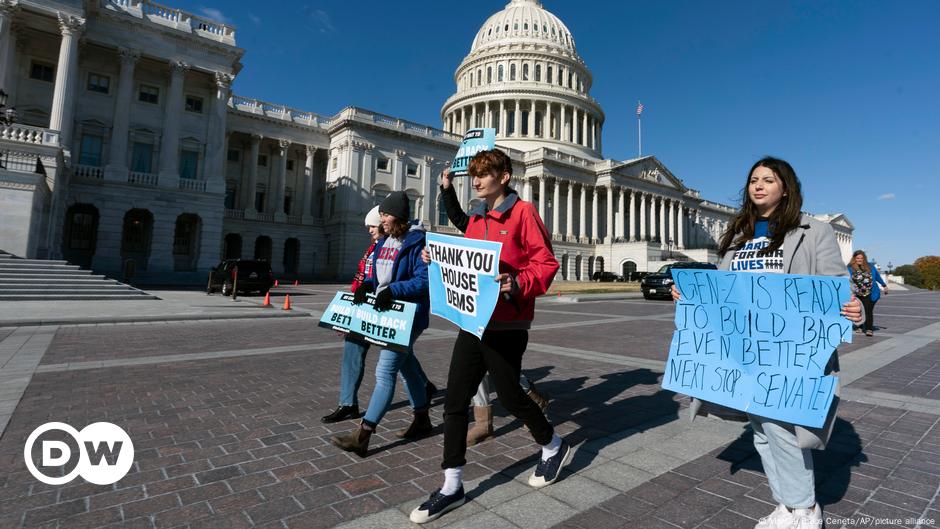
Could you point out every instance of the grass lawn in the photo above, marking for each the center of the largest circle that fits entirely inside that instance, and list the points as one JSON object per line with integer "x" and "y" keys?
{"x": 593, "y": 287}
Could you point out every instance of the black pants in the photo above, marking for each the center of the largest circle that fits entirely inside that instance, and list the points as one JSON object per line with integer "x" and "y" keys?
{"x": 869, "y": 305}
{"x": 500, "y": 355}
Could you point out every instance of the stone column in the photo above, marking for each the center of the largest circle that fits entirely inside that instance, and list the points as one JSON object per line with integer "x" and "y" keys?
{"x": 582, "y": 226}
{"x": 633, "y": 230}
{"x": 609, "y": 231}
{"x": 251, "y": 188}
{"x": 556, "y": 208}
{"x": 517, "y": 121}
{"x": 473, "y": 116}
{"x": 501, "y": 129}
{"x": 644, "y": 233}
{"x": 463, "y": 121}
{"x": 8, "y": 10}
{"x": 63, "y": 99}
{"x": 215, "y": 142}
{"x": 542, "y": 199}
{"x": 584, "y": 132}
{"x": 546, "y": 121}
{"x": 531, "y": 118}
{"x": 671, "y": 222}
{"x": 561, "y": 125}
{"x": 595, "y": 233}
{"x": 681, "y": 223}
{"x": 311, "y": 152}
{"x": 116, "y": 169}
{"x": 662, "y": 223}
{"x": 280, "y": 179}
{"x": 569, "y": 232}
{"x": 170, "y": 141}
{"x": 593, "y": 128}
{"x": 621, "y": 214}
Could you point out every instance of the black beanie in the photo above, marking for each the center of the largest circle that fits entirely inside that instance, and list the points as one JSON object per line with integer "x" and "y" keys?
{"x": 396, "y": 204}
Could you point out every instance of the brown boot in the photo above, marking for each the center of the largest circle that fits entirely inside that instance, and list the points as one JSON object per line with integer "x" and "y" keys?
{"x": 482, "y": 426}
{"x": 420, "y": 427}
{"x": 537, "y": 398}
{"x": 356, "y": 441}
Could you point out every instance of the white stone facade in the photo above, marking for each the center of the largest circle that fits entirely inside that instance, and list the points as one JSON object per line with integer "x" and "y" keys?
{"x": 130, "y": 154}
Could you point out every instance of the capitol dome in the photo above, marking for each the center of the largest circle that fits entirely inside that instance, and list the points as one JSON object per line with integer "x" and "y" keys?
{"x": 524, "y": 77}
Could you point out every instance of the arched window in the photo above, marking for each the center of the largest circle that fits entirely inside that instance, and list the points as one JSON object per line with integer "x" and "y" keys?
{"x": 525, "y": 72}
{"x": 525, "y": 26}
{"x": 291, "y": 256}
{"x": 81, "y": 234}
{"x": 379, "y": 192}
{"x": 232, "y": 246}
{"x": 489, "y": 74}
{"x": 569, "y": 80}
{"x": 512, "y": 72}
{"x": 548, "y": 74}
{"x": 136, "y": 237}
{"x": 628, "y": 270}
{"x": 479, "y": 76}
{"x": 538, "y": 73}
{"x": 263, "y": 248}
{"x": 186, "y": 242}
{"x": 499, "y": 73}
{"x": 564, "y": 267}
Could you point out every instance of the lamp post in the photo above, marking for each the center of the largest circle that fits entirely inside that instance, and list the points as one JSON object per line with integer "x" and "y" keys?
{"x": 890, "y": 267}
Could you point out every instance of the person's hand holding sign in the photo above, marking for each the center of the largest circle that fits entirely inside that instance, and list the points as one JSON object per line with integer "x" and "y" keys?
{"x": 425, "y": 256}
{"x": 359, "y": 296}
{"x": 675, "y": 293}
{"x": 446, "y": 178}
{"x": 506, "y": 283}
{"x": 383, "y": 300}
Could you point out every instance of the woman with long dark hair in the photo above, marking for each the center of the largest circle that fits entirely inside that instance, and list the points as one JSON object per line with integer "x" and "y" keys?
{"x": 865, "y": 281}
{"x": 769, "y": 234}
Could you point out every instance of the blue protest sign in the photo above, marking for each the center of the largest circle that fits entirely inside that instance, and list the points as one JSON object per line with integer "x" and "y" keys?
{"x": 758, "y": 343}
{"x": 462, "y": 278}
{"x": 474, "y": 141}
{"x": 390, "y": 329}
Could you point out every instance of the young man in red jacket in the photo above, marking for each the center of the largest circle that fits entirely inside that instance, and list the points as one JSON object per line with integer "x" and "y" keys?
{"x": 527, "y": 266}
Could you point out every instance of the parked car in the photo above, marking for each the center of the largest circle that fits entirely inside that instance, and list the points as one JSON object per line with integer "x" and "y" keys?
{"x": 659, "y": 283}
{"x": 253, "y": 276}
{"x": 605, "y": 277}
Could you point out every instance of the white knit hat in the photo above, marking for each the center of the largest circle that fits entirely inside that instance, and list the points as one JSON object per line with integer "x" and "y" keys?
{"x": 373, "y": 218}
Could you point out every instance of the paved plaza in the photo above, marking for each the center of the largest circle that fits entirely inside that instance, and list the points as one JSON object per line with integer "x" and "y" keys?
{"x": 224, "y": 416}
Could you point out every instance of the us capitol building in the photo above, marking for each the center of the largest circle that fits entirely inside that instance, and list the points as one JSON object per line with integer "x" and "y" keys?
{"x": 128, "y": 149}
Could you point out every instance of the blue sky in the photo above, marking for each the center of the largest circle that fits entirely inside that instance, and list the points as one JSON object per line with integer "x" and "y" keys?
{"x": 847, "y": 92}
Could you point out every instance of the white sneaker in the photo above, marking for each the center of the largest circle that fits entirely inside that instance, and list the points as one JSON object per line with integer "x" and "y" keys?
{"x": 779, "y": 519}
{"x": 807, "y": 518}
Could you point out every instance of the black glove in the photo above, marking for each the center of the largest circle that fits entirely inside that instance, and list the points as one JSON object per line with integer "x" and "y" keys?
{"x": 383, "y": 300}
{"x": 362, "y": 291}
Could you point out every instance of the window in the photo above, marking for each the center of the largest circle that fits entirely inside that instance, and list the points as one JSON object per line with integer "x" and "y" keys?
{"x": 548, "y": 75}
{"x": 499, "y": 74}
{"x": 569, "y": 80}
{"x": 42, "y": 72}
{"x": 148, "y": 94}
{"x": 189, "y": 164}
{"x": 259, "y": 200}
{"x": 442, "y": 219}
{"x": 538, "y": 73}
{"x": 288, "y": 202}
{"x": 382, "y": 164}
{"x": 413, "y": 207}
{"x": 91, "y": 151}
{"x": 411, "y": 169}
{"x": 141, "y": 157}
{"x": 379, "y": 193}
{"x": 512, "y": 72}
{"x": 335, "y": 162}
{"x": 525, "y": 72}
{"x": 234, "y": 155}
{"x": 290, "y": 165}
{"x": 194, "y": 104}
{"x": 99, "y": 83}
{"x": 489, "y": 74}
{"x": 230, "y": 198}
{"x": 479, "y": 76}
{"x": 263, "y": 160}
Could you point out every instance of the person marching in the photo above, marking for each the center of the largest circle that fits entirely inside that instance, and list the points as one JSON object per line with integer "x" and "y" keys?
{"x": 354, "y": 351}
{"x": 398, "y": 272}
{"x": 770, "y": 221}
{"x": 527, "y": 266}
{"x": 865, "y": 281}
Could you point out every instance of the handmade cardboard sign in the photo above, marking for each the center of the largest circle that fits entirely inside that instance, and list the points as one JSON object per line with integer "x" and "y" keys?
{"x": 462, "y": 278}
{"x": 474, "y": 141}
{"x": 758, "y": 343}
{"x": 390, "y": 329}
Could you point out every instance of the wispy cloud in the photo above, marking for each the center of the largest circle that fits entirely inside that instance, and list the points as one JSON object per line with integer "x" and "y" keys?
{"x": 214, "y": 14}
{"x": 322, "y": 21}
{"x": 255, "y": 19}
{"x": 886, "y": 196}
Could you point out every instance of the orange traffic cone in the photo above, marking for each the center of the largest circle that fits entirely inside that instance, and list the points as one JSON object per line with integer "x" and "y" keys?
{"x": 267, "y": 300}
{"x": 296, "y": 282}
{"x": 287, "y": 302}
{"x": 275, "y": 282}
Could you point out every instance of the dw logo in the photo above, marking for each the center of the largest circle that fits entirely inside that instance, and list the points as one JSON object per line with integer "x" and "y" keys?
{"x": 102, "y": 453}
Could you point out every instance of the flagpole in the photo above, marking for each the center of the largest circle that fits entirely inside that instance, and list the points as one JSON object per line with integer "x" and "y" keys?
{"x": 639, "y": 136}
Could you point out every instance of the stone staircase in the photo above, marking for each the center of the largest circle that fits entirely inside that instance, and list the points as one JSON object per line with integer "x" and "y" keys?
{"x": 41, "y": 280}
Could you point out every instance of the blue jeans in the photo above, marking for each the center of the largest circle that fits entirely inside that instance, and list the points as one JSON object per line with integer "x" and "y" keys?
{"x": 789, "y": 468}
{"x": 354, "y": 357}
{"x": 390, "y": 364}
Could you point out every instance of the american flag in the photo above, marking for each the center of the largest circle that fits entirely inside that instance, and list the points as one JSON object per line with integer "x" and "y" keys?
{"x": 639, "y": 108}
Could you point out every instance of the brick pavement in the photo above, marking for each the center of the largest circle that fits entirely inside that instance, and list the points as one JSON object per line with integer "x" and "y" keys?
{"x": 236, "y": 441}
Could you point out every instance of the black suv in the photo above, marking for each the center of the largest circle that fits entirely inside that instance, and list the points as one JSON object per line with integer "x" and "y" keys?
{"x": 252, "y": 276}
{"x": 659, "y": 284}
{"x": 605, "y": 277}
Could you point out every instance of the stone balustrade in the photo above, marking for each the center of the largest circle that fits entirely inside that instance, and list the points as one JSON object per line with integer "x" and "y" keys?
{"x": 144, "y": 179}
{"x": 88, "y": 172}
{"x": 282, "y": 112}
{"x": 26, "y": 134}
{"x": 173, "y": 18}
{"x": 192, "y": 185}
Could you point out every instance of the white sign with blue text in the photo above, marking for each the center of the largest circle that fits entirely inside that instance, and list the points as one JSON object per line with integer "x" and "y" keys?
{"x": 462, "y": 277}
{"x": 390, "y": 329}
{"x": 474, "y": 141}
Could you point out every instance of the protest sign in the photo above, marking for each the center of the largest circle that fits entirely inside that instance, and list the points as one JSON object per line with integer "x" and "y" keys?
{"x": 462, "y": 278}
{"x": 474, "y": 141}
{"x": 390, "y": 329}
{"x": 758, "y": 343}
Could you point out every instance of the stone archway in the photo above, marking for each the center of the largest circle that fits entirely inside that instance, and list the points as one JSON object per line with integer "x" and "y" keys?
{"x": 564, "y": 267}
{"x": 136, "y": 238}
{"x": 232, "y": 246}
{"x": 186, "y": 242}
{"x": 628, "y": 270}
{"x": 263, "y": 248}
{"x": 80, "y": 236}
{"x": 291, "y": 256}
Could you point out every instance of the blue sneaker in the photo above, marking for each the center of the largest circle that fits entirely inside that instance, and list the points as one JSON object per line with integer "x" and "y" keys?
{"x": 548, "y": 470}
{"x": 437, "y": 505}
